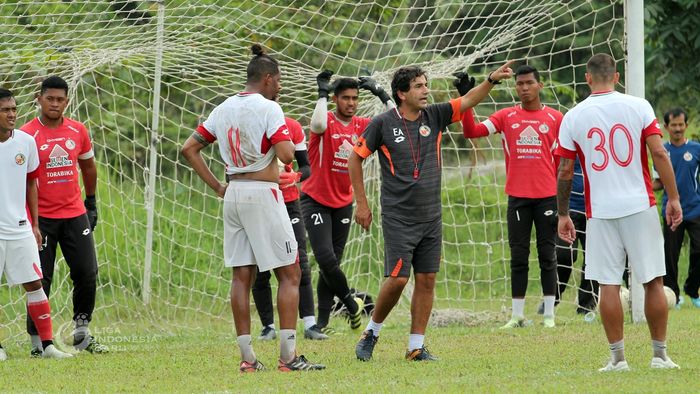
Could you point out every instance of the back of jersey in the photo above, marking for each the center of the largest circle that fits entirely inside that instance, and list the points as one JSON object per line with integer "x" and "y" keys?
{"x": 246, "y": 125}
{"x": 608, "y": 132}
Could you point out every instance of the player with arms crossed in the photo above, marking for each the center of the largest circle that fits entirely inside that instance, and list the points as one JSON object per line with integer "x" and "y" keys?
{"x": 64, "y": 218}
{"x": 610, "y": 133}
{"x": 409, "y": 139}
{"x": 685, "y": 157}
{"x": 528, "y": 132}
{"x": 326, "y": 198}
{"x": 262, "y": 293}
{"x": 258, "y": 234}
{"x": 20, "y": 238}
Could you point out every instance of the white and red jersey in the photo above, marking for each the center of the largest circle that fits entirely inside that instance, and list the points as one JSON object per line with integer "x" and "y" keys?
{"x": 529, "y": 139}
{"x": 299, "y": 140}
{"x": 246, "y": 125}
{"x": 608, "y": 132}
{"x": 329, "y": 183}
{"x": 60, "y": 149}
{"x": 19, "y": 160}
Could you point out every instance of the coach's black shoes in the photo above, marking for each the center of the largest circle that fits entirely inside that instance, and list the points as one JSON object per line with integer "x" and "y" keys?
{"x": 365, "y": 347}
{"x": 421, "y": 354}
{"x": 299, "y": 363}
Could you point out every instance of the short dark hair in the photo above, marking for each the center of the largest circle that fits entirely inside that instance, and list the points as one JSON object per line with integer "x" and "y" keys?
{"x": 677, "y": 111}
{"x": 601, "y": 67}
{"x": 401, "y": 81}
{"x": 344, "y": 83}
{"x": 527, "y": 69}
{"x": 54, "y": 82}
{"x": 261, "y": 64}
{"x": 6, "y": 94}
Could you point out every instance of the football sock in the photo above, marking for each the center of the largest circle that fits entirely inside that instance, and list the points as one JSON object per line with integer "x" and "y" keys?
{"x": 40, "y": 312}
{"x": 272, "y": 326}
{"x": 659, "y": 348}
{"x": 375, "y": 327}
{"x": 415, "y": 341}
{"x": 36, "y": 341}
{"x": 518, "y": 308}
{"x": 288, "y": 344}
{"x": 349, "y": 301}
{"x": 47, "y": 343}
{"x": 617, "y": 351}
{"x": 309, "y": 321}
{"x": 549, "y": 305}
{"x": 245, "y": 343}
{"x": 323, "y": 317}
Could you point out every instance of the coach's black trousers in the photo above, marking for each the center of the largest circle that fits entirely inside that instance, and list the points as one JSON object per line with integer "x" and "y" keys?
{"x": 78, "y": 246}
{"x": 328, "y": 230}
{"x": 262, "y": 293}
{"x": 522, "y": 213}
{"x": 673, "y": 242}
{"x": 566, "y": 257}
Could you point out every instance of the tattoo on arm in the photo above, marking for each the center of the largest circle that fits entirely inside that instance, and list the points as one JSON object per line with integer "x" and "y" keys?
{"x": 563, "y": 193}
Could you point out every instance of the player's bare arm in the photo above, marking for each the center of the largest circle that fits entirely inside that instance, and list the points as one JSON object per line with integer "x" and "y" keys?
{"x": 674, "y": 213}
{"x": 320, "y": 116}
{"x": 192, "y": 152}
{"x": 475, "y": 95}
{"x": 566, "y": 229}
{"x": 88, "y": 169}
{"x": 363, "y": 215}
{"x": 33, "y": 205}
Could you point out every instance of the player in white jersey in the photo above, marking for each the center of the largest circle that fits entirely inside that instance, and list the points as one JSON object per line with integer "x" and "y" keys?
{"x": 252, "y": 134}
{"x": 20, "y": 238}
{"x": 610, "y": 133}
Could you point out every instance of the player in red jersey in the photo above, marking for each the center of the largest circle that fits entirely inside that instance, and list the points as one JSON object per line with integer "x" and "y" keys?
{"x": 20, "y": 238}
{"x": 64, "y": 218}
{"x": 262, "y": 293}
{"x": 252, "y": 135}
{"x": 528, "y": 132}
{"x": 326, "y": 199}
{"x": 610, "y": 132}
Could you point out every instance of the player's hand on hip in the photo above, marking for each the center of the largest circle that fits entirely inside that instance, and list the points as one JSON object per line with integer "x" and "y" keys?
{"x": 566, "y": 230}
{"x": 503, "y": 72}
{"x": 323, "y": 80}
{"x": 221, "y": 190}
{"x": 363, "y": 216}
{"x": 674, "y": 214}
{"x": 463, "y": 82}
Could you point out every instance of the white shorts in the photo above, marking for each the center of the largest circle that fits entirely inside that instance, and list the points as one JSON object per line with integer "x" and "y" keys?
{"x": 19, "y": 260}
{"x": 637, "y": 236}
{"x": 257, "y": 229}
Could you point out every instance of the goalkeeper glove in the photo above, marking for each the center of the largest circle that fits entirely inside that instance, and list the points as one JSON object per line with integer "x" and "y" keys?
{"x": 323, "y": 80}
{"x": 374, "y": 87}
{"x": 289, "y": 179}
{"x": 463, "y": 83}
{"x": 91, "y": 207}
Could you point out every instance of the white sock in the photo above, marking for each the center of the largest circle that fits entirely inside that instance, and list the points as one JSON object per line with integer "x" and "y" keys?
{"x": 617, "y": 351}
{"x": 288, "y": 344}
{"x": 36, "y": 342}
{"x": 309, "y": 321}
{"x": 375, "y": 327}
{"x": 415, "y": 341}
{"x": 518, "y": 308}
{"x": 549, "y": 306}
{"x": 272, "y": 326}
{"x": 245, "y": 343}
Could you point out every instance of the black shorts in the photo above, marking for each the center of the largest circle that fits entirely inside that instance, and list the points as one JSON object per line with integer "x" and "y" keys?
{"x": 409, "y": 244}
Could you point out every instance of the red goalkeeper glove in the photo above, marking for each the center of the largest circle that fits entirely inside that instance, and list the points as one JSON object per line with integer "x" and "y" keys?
{"x": 289, "y": 179}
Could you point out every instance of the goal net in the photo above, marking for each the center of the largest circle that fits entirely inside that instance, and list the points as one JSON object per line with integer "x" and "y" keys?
{"x": 143, "y": 74}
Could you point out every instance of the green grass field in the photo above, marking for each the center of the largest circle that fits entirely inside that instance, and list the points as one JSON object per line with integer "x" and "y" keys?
{"x": 482, "y": 359}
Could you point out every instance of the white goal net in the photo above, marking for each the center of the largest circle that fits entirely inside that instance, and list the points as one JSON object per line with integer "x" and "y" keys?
{"x": 143, "y": 74}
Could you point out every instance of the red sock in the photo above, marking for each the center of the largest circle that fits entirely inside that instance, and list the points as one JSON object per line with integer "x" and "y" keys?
{"x": 40, "y": 312}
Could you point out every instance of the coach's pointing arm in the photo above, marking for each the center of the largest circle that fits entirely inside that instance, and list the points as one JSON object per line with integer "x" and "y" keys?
{"x": 475, "y": 95}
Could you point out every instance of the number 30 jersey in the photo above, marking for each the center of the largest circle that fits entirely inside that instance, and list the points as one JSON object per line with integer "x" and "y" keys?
{"x": 608, "y": 132}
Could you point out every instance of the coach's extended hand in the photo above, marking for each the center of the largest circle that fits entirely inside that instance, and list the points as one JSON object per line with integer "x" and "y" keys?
{"x": 463, "y": 82}
{"x": 91, "y": 207}
{"x": 373, "y": 86}
{"x": 323, "y": 80}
